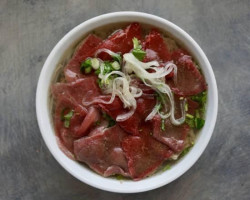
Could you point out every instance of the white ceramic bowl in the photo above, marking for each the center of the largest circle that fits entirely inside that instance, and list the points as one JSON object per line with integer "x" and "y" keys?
{"x": 83, "y": 173}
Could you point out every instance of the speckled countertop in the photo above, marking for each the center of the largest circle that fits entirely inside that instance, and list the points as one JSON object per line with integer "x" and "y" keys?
{"x": 29, "y": 29}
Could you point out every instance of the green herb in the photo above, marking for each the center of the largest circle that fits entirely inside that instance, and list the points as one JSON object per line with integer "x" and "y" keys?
{"x": 95, "y": 63}
{"x": 167, "y": 167}
{"x": 62, "y": 113}
{"x": 190, "y": 122}
{"x": 136, "y": 43}
{"x": 86, "y": 64}
{"x": 97, "y": 123}
{"x": 137, "y": 51}
{"x": 186, "y": 107}
{"x": 194, "y": 122}
{"x": 69, "y": 115}
{"x": 139, "y": 54}
{"x": 116, "y": 65}
{"x": 200, "y": 98}
{"x": 119, "y": 177}
{"x": 66, "y": 123}
{"x": 66, "y": 118}
{"x": 117, "y": 57}
{"x": 163, "y": 125}
{"x": 197, "y": 113}
{"x": 111, "y": 121}
{"x": 88, "y": 70}
{"x": 199, "y": 123}
{"x": 107, "y": 68}
{"x": 189, "y": 116}
{"x": 186, "y": 150}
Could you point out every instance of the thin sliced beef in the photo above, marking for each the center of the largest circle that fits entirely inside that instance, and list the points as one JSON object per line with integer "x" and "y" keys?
{"x": 68, "y": 96}
{"x": 85, "y": 89}
{"x": 144, "y": 154}
{"x": 86, "y": 49}
{"x": 89, "y": 121}
{"x": 66, "y": 138}
{"x": 192, "y": 106}
{"x": 102, "y": 151}
{"x": 173, "y": 136}
{"x": 189, "y": 79}
{"x": 121, "y": 41}
{"x": 132, "y": 124}
{"x": 155, "y": 47}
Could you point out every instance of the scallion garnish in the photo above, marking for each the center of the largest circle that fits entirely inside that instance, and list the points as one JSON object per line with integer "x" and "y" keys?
{"x": 189, "y": 116}
{"x": 186, "y": 107}
{"x": 86, "y": 64}
{"x": 117, "y": 57}
{"x": 88, "y": 70}
{"x": 66, "y": 118}
{"x": 186, "y": 150}
{"x": 199, "y": 122}
{"x": 137, "y": 51}
{"x": 119, "y": 177}
{"x": 163, "y": 124}
{"x": 66, "y": 124}
{"x": 109, "y": 119}
{"x": 167, "y": 167}
{"x": 136, "y": 43}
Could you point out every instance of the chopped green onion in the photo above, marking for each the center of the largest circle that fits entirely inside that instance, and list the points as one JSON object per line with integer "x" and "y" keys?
{"x": 186, "y": 150}
{"x": 163, "y": 125}
{"x": 97, "y": 123}
{"x": 88, "y": 70}
{"x": 199, "y": 123}
{"x": 189, "y": 116}
{"x": 62, "y": 113}
{"x": 186, "y": 106}
{"x": 67, "y": 118}
{"x": 109, "y": 119}
{"x": 136, "y": 43}
{"x": 137, "y": 51}
{"x": 190, "y": 122}
{"x": 69, "y": 115}
{"x": 119, "y": 177}
{"x": 117, "y": 57}
{"x": 167, "y": 167}
{"x": 85, "y": 64}
{"x": 66, "y": 123}
{"x": 116, "y": 65}
{"x": 139, "y": 54}
{"x": 201, "y": 98}
{"x": 107, "y": 67}
{"x": 95, "y": 63}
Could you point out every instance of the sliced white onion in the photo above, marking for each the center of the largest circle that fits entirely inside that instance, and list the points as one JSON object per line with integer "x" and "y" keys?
{"x": 125, "y": 116}
{"x": 153, "y": 112}
{"x": 156, "y": 81}
{"x": 111, "y": 53}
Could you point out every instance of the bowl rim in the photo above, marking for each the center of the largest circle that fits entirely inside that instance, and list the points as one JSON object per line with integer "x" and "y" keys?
{"x": 46, "y": 127}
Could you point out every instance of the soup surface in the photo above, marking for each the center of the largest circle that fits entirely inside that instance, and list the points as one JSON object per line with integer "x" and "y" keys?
{"x": 128, "y": 102}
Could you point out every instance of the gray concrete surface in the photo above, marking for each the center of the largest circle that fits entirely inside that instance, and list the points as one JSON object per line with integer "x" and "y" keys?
{"x": 29, "y": 29}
